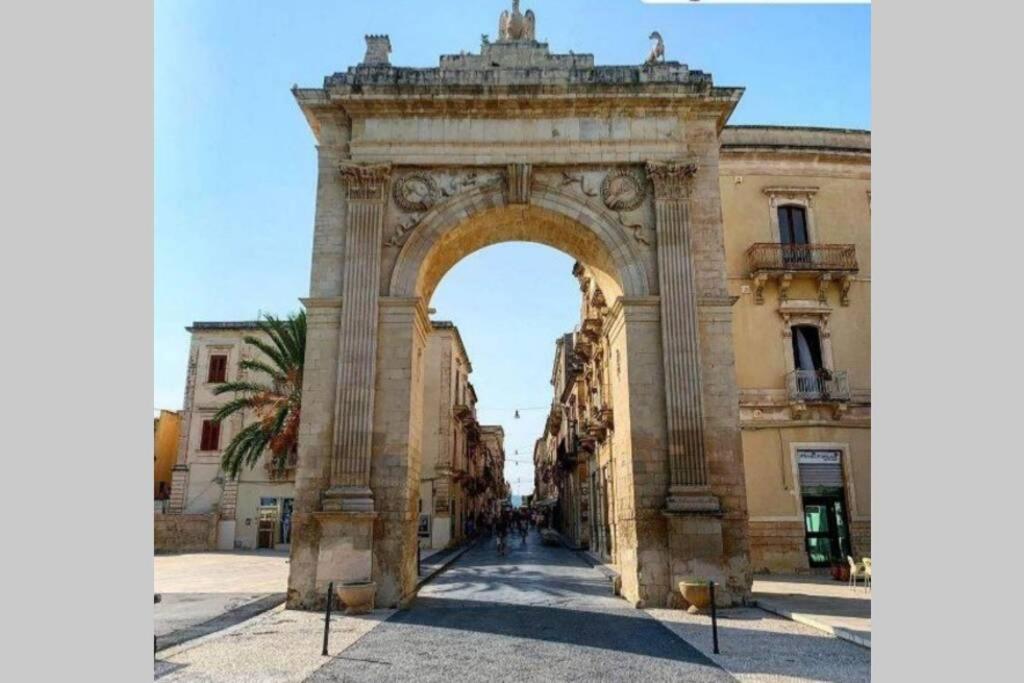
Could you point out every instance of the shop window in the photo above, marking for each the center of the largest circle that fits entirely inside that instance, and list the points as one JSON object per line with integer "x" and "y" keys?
{"x": 218, "y": 369}
{"x": 210, "y": 440}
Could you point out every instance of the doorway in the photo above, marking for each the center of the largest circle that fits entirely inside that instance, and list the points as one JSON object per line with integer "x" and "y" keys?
{"x": 825, "y": 525}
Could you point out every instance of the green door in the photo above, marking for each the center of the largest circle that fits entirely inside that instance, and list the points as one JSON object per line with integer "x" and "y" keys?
{"x": 827, "y": 535}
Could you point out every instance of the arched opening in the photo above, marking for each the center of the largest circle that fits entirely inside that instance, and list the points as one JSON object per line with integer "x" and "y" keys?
{"x": 589, "y": 428}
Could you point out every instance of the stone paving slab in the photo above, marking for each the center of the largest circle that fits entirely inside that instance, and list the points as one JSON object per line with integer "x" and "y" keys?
{"x": 820, "y": 602}
{"x": 205, "y": 592}
{"x": 279, "y": 646}
{"x": 757, "y": 647}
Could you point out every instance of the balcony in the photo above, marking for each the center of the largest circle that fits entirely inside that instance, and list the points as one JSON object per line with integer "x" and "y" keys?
{"x": 784, "y": 262}
{"x": 815, "y": 386}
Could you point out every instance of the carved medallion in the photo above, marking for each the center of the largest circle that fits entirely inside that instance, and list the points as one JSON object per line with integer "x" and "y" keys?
{"x": 415, "y": 192}
{"x": 622, "y": 190}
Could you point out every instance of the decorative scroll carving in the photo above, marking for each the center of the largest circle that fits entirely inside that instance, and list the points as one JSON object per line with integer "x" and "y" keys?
{"x": 571, "y": 179}
{"x": 402, "y": 230}
{"x": 637, "y": 228}
{"x": 365, "y": 181}
{"x": 670, "y": 179}
{"x": 622, "y": 190}
{"x": 415, "y": 192}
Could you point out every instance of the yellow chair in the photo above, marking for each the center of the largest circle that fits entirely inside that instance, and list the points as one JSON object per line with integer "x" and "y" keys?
{"x": 866, "y": 561}
{"x": 856, "y": 570}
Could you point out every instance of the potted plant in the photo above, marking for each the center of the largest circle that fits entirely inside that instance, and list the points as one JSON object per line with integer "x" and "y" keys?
{"x": 840, "y": 571}
{"x": 357, "y": 596}
{"x": 697, "y": 593}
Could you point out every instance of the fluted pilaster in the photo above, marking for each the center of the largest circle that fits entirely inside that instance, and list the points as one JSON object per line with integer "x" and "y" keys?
{"x": 366, "y": 188}
{"x": 688, "y": 480}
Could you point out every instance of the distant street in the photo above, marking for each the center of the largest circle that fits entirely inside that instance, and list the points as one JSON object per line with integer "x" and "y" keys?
{"x": 538, "y": 613}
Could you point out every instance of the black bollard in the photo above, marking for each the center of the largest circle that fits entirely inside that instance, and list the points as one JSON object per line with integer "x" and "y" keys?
{"x": 419, "y": 567}
{"x": 327, "y": 617}
{"x": 714, "y": 618}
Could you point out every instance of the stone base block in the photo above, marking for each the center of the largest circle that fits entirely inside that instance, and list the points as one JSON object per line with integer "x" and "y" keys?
{"x": 696, "y": 551}
{"x": 345, "y": 553}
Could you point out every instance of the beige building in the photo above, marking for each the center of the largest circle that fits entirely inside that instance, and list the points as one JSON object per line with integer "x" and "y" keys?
{"x": 463, "y": 460}
{"x": 796, "y": 205}
{"x": 461, "y": 476}
{"x": 796, "y": 217}
{"x": 254, "y": 511}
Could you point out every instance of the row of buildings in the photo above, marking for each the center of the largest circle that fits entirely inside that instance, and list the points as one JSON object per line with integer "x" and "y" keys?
{"x": 461, "y": 472}
{"x": 796, "y": 207}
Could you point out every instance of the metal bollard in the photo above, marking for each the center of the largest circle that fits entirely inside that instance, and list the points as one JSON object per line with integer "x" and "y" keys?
{"x": 419, "y": 567}
{"x": 327, "y": 617}
{"x": 714, "y": 618}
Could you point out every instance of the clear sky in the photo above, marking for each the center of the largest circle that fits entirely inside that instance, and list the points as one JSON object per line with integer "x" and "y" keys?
{"x": 236, "y": 166}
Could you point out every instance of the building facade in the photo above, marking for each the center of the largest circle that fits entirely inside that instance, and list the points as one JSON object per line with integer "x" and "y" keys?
{"x": 797, "y": 225}
{"x": 461, "y": 476}
{"x": 463, "y": 460}
{"x": 166, "y": 432}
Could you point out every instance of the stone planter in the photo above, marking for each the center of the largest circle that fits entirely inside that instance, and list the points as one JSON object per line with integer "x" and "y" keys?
{"x": 357, "y": 596}
{"x": 698, "y": 594}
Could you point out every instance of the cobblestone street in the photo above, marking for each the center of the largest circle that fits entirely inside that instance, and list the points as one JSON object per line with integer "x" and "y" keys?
{"x": 538, "y": 613}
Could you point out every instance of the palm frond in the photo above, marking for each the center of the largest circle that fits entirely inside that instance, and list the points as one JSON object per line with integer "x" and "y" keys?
{"x": 271, "y": 352}
{"x": 260, "y": 366}
{"x": 242, "y": 388}
{"x": 237, "y": 405}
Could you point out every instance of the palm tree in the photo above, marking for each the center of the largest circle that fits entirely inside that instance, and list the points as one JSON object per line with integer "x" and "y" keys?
{"x": 275, "y": 401}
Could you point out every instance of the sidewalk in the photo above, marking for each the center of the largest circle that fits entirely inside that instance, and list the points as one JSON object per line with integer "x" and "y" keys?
{"x": 278, "y": 646}
{"x": 820, "y": 602}
{"x": 434, "y": 561}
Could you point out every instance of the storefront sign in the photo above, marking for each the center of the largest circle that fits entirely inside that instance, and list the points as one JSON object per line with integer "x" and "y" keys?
{"x": 818, "y": 457}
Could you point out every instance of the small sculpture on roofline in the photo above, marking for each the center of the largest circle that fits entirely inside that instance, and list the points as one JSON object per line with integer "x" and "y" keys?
{"x": 515, "y": 25}
{"x": 657, "y": 49}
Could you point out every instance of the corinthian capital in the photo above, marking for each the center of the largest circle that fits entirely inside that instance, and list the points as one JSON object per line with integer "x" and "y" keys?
{"x": 670, "y": 178}
{"x": 365, "y": 181}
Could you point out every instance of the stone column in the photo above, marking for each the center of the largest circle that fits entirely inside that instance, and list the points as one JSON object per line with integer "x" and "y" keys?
{"x": 366, "y": 188}
{"x": 688, "y": 478}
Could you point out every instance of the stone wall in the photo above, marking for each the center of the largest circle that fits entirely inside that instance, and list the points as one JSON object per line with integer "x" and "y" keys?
{"x": 184, "y": 533}
{"x": 777, "y": 547}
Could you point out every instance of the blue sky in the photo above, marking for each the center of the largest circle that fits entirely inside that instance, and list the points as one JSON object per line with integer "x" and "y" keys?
{"x": 235, "y": 166}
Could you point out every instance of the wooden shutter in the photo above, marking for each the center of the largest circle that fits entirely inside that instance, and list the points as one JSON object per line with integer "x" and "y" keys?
{"x": 218, "y": 368}
{"x": 210, "y": 440}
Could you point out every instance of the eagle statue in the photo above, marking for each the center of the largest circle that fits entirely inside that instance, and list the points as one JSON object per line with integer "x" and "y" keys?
{"x": 515, "y": 25}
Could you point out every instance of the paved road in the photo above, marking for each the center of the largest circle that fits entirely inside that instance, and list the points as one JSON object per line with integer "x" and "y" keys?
{"x": 539, "y": 613}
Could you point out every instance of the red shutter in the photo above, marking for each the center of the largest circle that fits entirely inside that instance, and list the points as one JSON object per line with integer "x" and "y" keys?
{"x": 210, "y": 440}
{"x": 218, "y": 369}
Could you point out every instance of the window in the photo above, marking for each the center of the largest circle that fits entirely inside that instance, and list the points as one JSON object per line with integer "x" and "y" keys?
{"x": 793, "y": 224}
{"x": 806, "y": 347}
{"x": 211, "y": 436}
{"x": 793, "y": 234}
{"x": 218, "y": 369}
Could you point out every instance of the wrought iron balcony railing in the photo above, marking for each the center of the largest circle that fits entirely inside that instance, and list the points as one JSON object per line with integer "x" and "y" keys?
{"x": 770, "y": 256}
{"x": 818, "y": 385}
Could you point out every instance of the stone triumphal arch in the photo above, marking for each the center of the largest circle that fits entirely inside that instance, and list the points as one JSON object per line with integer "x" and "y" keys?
{"x": 616, "y": 166}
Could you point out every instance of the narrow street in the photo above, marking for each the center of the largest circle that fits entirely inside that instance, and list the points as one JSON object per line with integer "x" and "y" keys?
{"x": 538, "y": 613}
